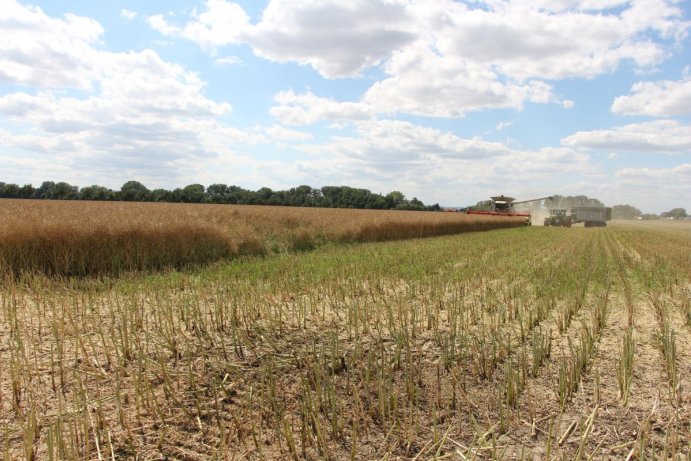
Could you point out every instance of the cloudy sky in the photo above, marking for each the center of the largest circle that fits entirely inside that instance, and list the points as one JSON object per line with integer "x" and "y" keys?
{"x": 447, "y": 101}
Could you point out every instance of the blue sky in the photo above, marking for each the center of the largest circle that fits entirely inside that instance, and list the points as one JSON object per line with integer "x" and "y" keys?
{"x": 446, "y": 101}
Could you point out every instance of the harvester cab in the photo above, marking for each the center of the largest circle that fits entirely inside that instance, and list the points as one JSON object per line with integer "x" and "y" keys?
{"x": 502, "y": 204}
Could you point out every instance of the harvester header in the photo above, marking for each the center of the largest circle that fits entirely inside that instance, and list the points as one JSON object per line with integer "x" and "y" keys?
{"x": 503, "y": 206}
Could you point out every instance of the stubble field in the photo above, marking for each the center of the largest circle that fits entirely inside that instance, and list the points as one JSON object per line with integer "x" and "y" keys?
{"x": 526, "y": 343}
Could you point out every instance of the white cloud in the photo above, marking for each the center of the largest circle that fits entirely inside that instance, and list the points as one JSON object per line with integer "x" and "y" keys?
{"x": 381, "y": 139}
{"x": 384, "y": 155}
{"x": 556, "y": 6}
{"x": 444, "y": 58}
{"x": 549, "y": 39}
{"x": 128, "y": 14}
{"x": 665, "y": 98}
{"x": 121, "y": 129}
{"x": 661, "y": 137}
{"x": 422, "y": 82}
{"x": 47, "y": 52}
{"x": 139, "y": 113}
{"x": 337, "y": 38}
{"x": 303, "y": 109}
{"x": 222, "y": 23}
{"x": 653, "y": 178}
{"x": 227, "y": 60}
{"x": 575, "y": 39}
{"x": 447, "y": 93}
{"x": 653, "y": 189}
{"x": 281, "y": 133}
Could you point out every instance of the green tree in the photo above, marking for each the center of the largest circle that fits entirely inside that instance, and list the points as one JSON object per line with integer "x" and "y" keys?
{"x": 176, "y": 195}
{"x": 193, "y": 193}
{"x": 299, "y": 196}
{"x": 26, "y": 191}
{"x": 560, "y": 201}
{"x": 10, "y": 191}
{"x": 217, "y": 193}
{"x": 65, "y": 191}
{"x": 160, "y": 195}
{"x": 394, "y": 199}
{"x": 416, "y": 204}
{"x": 96, "y": 192}
{"x": 134, "y": 191}
{"x": 45, "y": 191}
{"x": 675, "y": 213}
{"x": 625, "y": 212}
{"x": 484, "y": 205}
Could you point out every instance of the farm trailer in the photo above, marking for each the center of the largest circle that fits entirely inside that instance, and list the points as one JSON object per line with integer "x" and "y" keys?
{"x": 590, "y": 216}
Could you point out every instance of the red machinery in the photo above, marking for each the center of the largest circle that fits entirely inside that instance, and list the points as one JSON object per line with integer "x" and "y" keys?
{"x": 503, "y": 206}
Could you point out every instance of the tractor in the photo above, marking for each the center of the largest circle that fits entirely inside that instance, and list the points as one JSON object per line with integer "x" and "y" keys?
{"x": 559, "y": 217}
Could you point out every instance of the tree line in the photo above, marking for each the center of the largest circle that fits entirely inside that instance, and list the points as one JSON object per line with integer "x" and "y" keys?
{"x": 305, "y": 196}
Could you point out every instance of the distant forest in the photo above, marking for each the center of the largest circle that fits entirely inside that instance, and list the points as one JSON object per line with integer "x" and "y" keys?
{"x": 134, "y": 191}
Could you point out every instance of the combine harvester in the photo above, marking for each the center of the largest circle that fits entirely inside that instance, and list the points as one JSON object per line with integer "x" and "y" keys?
{"x": 503, "y": 206}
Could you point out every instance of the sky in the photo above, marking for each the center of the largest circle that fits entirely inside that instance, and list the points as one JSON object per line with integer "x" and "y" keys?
{"x": 447, "y": 101}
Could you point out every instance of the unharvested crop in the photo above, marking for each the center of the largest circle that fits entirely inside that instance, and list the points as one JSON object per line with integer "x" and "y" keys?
{"x": 91, "y": 238}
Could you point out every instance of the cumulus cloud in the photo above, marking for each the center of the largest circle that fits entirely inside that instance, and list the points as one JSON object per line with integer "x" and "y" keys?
{"x": 422, "y": 82}
{"x": 337, "y": 38}
{"x": 128, "y": 14}
{"x": 678, "y": 175}
{"x": 443, "y": 58}
{"x": 526, "y": 42}
{"x": 393, "y": 154}
{"x": 227, "y": 60}
{"x": 47, "y": 52}
{"x": 549, "y": 39}
{"x": 222, "y": 23}
{"x": 306, "y": 108}
{"x": 382, "y": 139}
{"x": 665, "y": 98}
{"x": 281, "y": 133}
{"x": 657, "y": 137}
{"x": 139, "y": 112}
{"x": 651, "y": 187}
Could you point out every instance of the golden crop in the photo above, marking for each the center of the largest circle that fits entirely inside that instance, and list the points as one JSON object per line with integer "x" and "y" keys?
{"x": 82, "y": 238}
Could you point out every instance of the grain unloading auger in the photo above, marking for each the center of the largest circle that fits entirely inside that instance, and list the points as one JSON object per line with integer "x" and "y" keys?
{"x": 503, "y": 206}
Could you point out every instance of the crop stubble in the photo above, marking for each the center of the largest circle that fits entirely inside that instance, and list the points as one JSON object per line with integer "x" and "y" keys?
{"x": 500, "y": 345}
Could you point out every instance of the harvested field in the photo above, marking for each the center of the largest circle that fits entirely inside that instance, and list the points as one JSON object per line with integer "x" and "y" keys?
{"x": 530, "y": 343}
{"x": 90, "y": 238}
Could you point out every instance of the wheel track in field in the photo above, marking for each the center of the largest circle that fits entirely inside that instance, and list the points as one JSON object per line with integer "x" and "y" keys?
{"x": 538, "y": 398}
{"x": 650, "y": 411}
{"x": 615, "y": 425}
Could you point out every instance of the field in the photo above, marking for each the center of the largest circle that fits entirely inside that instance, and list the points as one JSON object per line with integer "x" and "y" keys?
{"x": 63, "y": 238}
{"x": 522, "y": 343}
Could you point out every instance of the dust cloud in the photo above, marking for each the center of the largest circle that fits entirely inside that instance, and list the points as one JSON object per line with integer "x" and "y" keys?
{"x": 537, "y": 217}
